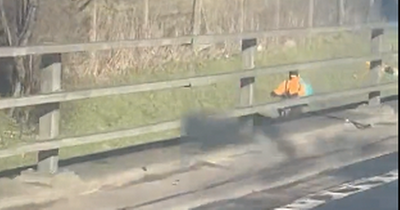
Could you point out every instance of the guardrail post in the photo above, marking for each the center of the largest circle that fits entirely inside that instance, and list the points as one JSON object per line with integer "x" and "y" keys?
{"x": 311, "y": 5}
{"x": 342, "y": 12}
{"x": 196, "y": 24}
{"x": 146, "y": 16}
{"x": 375, "y": 65}
{"x": 249, "y": 47}
{"x": 49, "y": 121}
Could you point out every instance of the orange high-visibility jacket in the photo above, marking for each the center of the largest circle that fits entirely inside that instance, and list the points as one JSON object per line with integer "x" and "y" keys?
{"x": 290, "y": 87}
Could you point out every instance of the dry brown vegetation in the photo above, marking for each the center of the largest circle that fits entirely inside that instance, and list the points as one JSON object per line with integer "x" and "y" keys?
{"x": 100, "y": 20}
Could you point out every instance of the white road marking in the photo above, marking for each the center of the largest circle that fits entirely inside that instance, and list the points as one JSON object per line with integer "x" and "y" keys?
{"x": 316, "y": 199}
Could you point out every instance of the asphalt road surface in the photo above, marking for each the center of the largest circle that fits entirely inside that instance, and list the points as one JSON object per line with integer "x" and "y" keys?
{"x": 384, "y": 197}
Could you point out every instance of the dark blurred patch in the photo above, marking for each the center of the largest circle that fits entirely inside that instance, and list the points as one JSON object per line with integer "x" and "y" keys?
{"x": 204, "y": 134}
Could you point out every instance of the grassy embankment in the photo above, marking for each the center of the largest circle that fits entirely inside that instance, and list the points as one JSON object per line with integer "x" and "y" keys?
{"x": 108, "y": 113}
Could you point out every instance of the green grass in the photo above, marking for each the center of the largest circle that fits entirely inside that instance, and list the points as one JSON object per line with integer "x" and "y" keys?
{"x": 124, "y": 111}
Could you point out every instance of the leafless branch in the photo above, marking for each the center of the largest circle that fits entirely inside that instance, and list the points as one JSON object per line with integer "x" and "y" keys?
{"x": 4, "y": 22}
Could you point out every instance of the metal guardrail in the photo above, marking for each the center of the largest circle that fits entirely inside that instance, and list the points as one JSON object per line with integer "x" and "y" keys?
{"x": 49, "y": 143}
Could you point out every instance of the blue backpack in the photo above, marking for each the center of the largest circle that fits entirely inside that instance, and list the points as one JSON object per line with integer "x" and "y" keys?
{"x": 308, "y": 88}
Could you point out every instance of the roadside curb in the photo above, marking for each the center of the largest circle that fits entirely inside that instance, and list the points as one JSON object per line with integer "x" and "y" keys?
{"x": 21, "y": 201}
{"x": 161, "y": 169}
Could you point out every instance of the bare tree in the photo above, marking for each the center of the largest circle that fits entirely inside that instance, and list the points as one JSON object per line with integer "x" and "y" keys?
{"x": 18, "y": 18}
